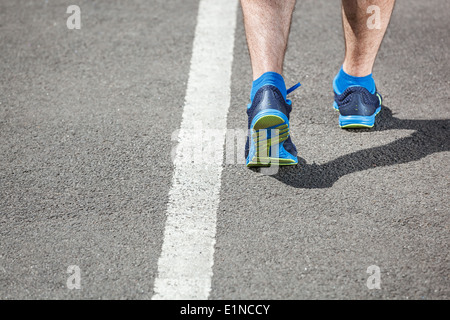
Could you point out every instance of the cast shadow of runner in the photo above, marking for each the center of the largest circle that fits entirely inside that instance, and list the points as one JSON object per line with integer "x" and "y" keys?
{"x": 430, "y": 136}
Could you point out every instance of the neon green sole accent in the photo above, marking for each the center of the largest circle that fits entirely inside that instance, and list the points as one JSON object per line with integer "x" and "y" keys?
{"x": 355, "y": 126}
{"x": 283, "y": 128}
{"x": 266, "y": 161}
{"x": 379, "y": 98}
{"x": 261, "y": 135}
{"x": 264, "y": 143}
{"x": 268, "y": 122}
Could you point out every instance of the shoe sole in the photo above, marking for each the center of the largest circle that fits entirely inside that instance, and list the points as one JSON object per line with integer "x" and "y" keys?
{"x": 269, "y": 129}
{"x": 355, "y": 122}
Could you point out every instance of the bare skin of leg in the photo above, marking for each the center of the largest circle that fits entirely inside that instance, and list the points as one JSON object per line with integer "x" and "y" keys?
{"x": 267, "y": 24}
{"x": 361, "y": 42}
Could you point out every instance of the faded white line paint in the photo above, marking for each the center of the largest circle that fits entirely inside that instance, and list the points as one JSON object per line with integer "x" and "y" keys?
{"x": 187, "y": 257}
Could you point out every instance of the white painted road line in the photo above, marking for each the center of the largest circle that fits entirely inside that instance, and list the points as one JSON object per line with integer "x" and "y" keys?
{"x": 187, "y": 256}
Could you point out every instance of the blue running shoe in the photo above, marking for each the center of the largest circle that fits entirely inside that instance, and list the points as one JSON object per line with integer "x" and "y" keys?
{"x": 357, "y": 107}
{"x": 269, "y": 141}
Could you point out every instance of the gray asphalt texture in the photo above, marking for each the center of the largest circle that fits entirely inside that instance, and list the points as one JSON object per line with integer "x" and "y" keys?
{"x": 86, "y": 119}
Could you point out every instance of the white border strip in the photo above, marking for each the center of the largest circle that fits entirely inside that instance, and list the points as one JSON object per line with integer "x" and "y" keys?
{"x": 187, "y": 257}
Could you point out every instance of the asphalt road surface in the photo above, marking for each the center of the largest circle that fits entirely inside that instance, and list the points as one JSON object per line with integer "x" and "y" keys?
{"x": 87, "y": 120}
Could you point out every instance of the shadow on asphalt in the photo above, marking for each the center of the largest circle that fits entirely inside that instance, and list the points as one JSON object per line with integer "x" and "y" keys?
{"x": 431, "y": 136}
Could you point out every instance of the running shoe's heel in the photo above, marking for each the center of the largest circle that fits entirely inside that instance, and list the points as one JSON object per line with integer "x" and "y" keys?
{"x": 357, "y": 107}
